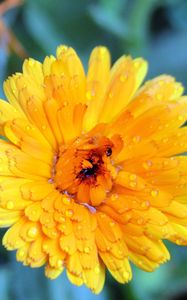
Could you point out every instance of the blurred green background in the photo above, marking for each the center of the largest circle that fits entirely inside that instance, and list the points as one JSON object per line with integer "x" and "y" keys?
{"x": 154, "y": 29}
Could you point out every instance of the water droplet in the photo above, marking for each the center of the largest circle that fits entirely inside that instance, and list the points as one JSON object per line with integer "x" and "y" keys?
{"x": 21, "y": 253}
{"x": 89, "y": 95}
{"x": 147, "y": 164}
{"x": 54, "y": 234}
{"x": 179, "y": 241}
{"x": 28, "y": 128}
{"x": 112, "y": 223}
{"x": 145, "y": 204}
{"x": 165, "y": 162}
{"x": 110, "y": 95}
{"x": 63, "y": 227}
{"x": 154, "y": 193}
{"x": 59, "y": 263}
{"x": 10, "y": 205}
{"x": 32, "y": 232}
{"x": 123, "y": 78}
{"x": 97, "y": 270}
{"x": 44, "y": 127}
{"x": 66, "y": 200}
{"x": 87, "y": 250}
{"x": 61, "y": 219}
{"x": 140, "y": 263}
{"x": 79, "y": 227}
{"x": 140, "y": 221}
{"x": 136, "y": 139}
{"x": 47, "y": 221}
{"x": 69, "y": 213}
{"x": 133, "y": 177}
{"x": 102, "y": 215}
{"x": 65, "y": 103}
{"x": 132, "y": 184}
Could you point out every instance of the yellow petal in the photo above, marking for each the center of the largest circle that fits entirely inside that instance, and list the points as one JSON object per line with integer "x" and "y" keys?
{"x": 52, "y": 273}
{"x": 16, "y": 162}
{"x": 126, "y": 76}
{"x": 29, "y": 139}
{"x": 119, "y": 268}
{"x": 154, "y": 92}
{"x": 97, "y": 80}
{"x": 8, "y": 218}
{"x": 7, "y": 112}
{"x": 12, "y": 240}
{"x": 69, "y": 64}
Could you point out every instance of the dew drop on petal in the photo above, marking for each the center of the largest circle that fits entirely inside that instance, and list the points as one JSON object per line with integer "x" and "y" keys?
{"x": 61, "y": 219}
{"x": 154, "y": 193}
{"x": 32, "y": 232}
{"x": 79, "y": 227}
{"x": 102, "y": 215}
{"x": 140, "y": 263}
{"x": 59, "y": 263}
{"x": 54, "y": 234}
{"x": 140, "y": 221}
{"x": 89, "y": 95}
{"x": 132, "y": 177}
{"x": 165, "y": 140}
{"x": 86, "y": 250}
{"x": 69, "y": 213}
{"x": 123, "y": 78}
{"x": 65, "y": 103}
{"x": 112, "y": 223}
{"x": 136, "y": 139}
{"x": 145, "y": 204}
{"x": 66, "y": 200}
{"x": 132, "y": 184}
{"x": 10, "y": 205}
{"x": 110, "y": 95}
{"x": 21, "y": 253}
{"x": 44, "y": 127}
{"x": 147, "y": 164}
{"x": 97, "y": 270}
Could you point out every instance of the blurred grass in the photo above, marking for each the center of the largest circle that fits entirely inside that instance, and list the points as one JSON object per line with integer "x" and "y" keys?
{"x": 154, "y": 29}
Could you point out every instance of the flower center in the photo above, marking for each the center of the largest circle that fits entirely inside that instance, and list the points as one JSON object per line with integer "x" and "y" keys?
{"x": 83, "y": 169}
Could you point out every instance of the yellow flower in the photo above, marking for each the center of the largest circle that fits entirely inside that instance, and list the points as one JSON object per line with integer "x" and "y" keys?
{"x": 92, "y": 171}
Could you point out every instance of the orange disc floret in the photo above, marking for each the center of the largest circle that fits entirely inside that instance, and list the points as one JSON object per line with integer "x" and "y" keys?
{"x": 93, "y": 174}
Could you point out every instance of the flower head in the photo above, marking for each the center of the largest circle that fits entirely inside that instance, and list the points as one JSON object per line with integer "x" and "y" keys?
{"x": 92, "y": 171}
